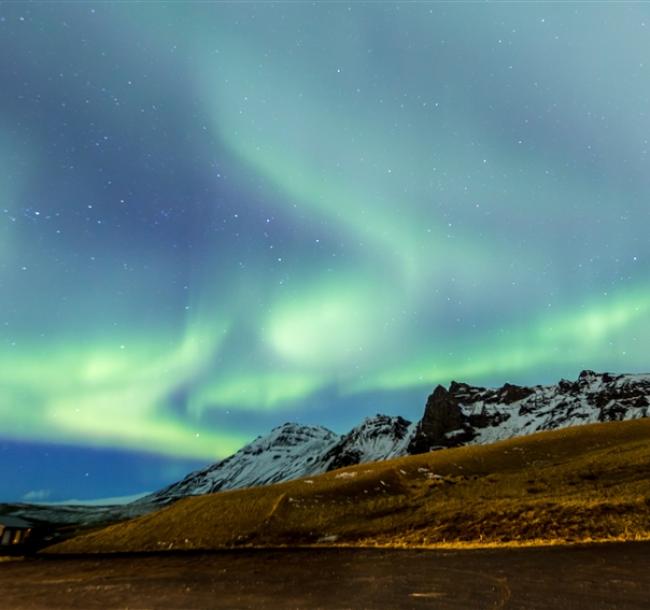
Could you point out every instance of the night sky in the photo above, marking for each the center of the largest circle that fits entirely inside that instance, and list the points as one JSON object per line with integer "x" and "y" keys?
{"x": 218, "y": 217}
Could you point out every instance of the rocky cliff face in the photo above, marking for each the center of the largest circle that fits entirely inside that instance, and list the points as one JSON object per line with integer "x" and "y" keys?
{"x": 442, "y": 417}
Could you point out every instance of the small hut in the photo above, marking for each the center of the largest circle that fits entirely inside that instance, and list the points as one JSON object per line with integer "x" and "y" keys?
{"x": 14, "y": 532}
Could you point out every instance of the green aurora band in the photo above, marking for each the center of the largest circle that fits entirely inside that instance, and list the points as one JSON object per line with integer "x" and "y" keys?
{"x": 420, "y": 238}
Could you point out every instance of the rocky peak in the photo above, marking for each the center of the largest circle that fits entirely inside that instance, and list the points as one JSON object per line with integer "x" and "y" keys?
{"x": 292, "y": 434}
{"x": 288, "y": 436}
{"x": 442, "y": 415}
{"x": 376, "y": 438}
{"x": 510, "y": 393}
{"x": 372, "y": 427}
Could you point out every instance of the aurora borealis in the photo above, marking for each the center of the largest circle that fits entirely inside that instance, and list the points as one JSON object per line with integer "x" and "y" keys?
{"x": 217, "y": 217}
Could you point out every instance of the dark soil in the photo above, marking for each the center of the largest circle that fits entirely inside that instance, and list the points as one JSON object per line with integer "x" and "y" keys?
{"x": 612, "y": 576}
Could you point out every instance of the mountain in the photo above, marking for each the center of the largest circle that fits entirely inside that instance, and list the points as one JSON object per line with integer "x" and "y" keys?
{"x": 466, "y": 414}
{"x": 287, "y": 452}
{"x": 459, "y": 415}
{"x": 377, "y": 438}
{"x": 292, "y": 451}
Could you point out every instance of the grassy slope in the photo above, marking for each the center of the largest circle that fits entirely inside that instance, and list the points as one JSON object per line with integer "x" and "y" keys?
{"x": 577, "y": 484}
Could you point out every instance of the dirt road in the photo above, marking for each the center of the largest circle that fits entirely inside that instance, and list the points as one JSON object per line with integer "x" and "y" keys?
{"x": 590, "y": 578}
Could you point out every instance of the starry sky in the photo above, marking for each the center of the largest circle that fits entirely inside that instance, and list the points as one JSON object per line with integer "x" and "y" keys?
{"x": 218, "y": 217}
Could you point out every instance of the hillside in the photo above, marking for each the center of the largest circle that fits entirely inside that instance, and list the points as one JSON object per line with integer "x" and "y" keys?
{"x": 583, "y": 483}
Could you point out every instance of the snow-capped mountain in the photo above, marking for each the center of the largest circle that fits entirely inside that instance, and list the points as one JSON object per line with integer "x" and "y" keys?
{"x": 292, "y": 451}
{"x": 459, "y": 415}
{"x": 465, "y": 414}
{"x": 287, "y": 452}
{"x": 377, "y": 438}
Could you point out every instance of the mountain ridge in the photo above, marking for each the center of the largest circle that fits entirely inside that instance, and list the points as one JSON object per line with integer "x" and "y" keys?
{"x": 459, "y": 415}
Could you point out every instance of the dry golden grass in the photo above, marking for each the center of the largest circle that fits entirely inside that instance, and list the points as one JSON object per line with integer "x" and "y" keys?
{"x": 582, "y": 484}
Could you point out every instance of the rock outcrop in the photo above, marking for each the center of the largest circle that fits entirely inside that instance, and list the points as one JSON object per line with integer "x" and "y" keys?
{"x": 443, "y": 424}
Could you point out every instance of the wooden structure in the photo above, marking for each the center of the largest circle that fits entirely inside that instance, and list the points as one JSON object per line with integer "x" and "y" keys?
{"x": 14, "y": 533}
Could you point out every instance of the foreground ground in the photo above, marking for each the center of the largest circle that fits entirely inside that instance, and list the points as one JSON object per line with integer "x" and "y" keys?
{"x": 594, "y": 577}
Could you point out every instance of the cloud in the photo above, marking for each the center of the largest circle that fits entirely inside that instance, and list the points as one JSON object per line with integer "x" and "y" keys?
{"x": 101, "y": 501}
{"x": 37, "y": 495}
